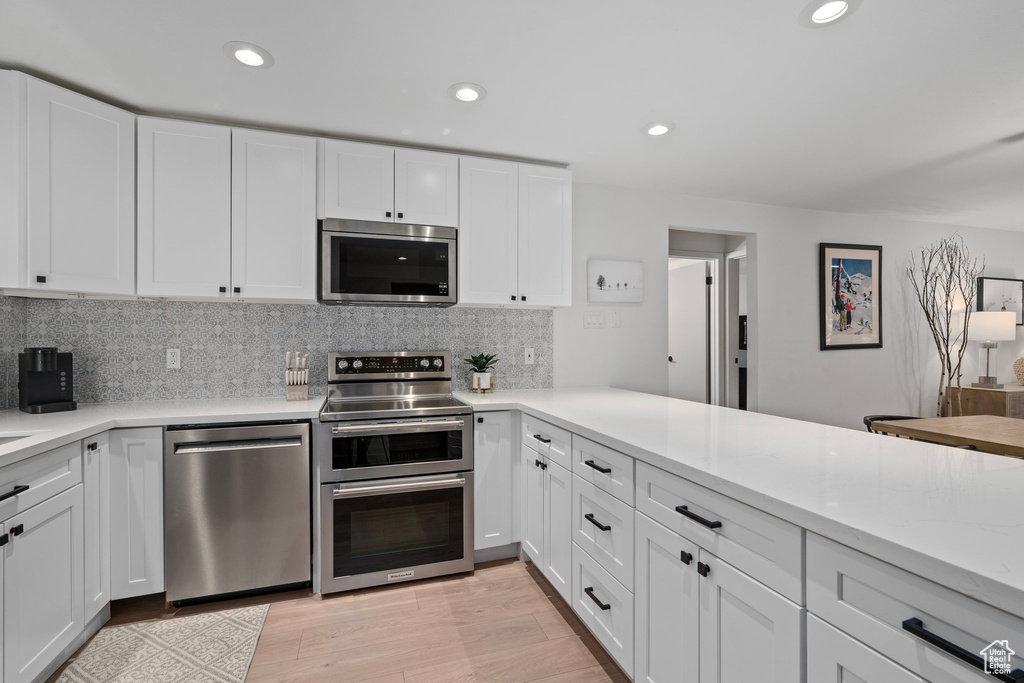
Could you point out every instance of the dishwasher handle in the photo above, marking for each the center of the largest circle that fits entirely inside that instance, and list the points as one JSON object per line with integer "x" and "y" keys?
{"x": 191, "y": 448}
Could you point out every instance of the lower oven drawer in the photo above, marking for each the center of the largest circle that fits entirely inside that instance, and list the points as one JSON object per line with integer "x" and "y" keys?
{"x": 392, "y": 530}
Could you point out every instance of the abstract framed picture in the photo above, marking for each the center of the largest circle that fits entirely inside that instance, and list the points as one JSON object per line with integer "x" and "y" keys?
{"x": 1001, "y": 294}
{"x": 850, "y": 296}
{"x": 615, "y": 281}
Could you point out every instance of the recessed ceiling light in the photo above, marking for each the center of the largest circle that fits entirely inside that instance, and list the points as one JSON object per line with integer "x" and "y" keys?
{"x": 830, "y": 11}
{"x": 466, "y": 92}
{"x": 251, "y": 55}
{"x": 660, "y": 127}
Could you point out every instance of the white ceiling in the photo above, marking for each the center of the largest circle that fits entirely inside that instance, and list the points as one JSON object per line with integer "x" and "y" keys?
{"x": 910, "y": 108}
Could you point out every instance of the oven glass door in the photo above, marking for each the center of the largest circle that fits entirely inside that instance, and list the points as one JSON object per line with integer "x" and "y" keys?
{"x": 369, "y": 450}
{"x": 387, "y": 268}
{"x": 391, "y": 528}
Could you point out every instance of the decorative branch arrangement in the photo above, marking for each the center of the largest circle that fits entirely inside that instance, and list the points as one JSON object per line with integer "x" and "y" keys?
{"x": 945, "y": 278}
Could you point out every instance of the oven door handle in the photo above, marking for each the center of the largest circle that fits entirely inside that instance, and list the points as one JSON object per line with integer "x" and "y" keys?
{"x": 390, "y": 427}
{"x": 348, "y": 491}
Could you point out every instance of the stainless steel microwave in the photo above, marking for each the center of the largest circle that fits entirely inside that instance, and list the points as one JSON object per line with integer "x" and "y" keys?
{"x": 387, "y": 264}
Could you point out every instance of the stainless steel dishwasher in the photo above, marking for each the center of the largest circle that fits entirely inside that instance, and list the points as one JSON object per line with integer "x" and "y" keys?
{"x": 236, "y": 509}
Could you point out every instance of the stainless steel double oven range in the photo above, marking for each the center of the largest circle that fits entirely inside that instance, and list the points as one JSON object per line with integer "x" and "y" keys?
{"x": 394, "y": 455}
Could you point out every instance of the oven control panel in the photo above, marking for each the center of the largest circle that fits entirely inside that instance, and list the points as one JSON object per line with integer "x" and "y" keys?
{"x": 399, "y": 365}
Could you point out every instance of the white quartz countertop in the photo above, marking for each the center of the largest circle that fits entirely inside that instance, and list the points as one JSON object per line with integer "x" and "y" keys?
{"x": 950, "y": 515}
{"x": 53, "y": 430}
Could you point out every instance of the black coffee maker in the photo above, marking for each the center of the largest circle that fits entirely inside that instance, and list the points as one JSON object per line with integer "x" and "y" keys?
{"x": 44, "y": 380}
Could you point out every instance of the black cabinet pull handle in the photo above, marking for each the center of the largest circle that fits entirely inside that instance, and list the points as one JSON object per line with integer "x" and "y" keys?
{"x": 541, "y": 438}
{"x": 602, "y": 605}
{"x": 685, "y": 557}
{"x": 602, "y": 470}
{"x": 602, "y": 527}
{"x": 41, "y": 278}
{"x": 15, "y": 491}
{"x": 93, "y": 446}
{"x": 541, "y": 465}
{"x": 387, "y": 214}
{"x": 703, "y": 569}
{"x": 513, "y": 297}
{"x": 238, "y": 290}
{"x": 916, "y": 627}
{"x": 399, "y": 214}
{"x": 522, "y": 298}
{"x": 4, "y": 540}
{"x": 17, "y": 530}
{"x": 685, "y": 512}
{"x": 480, "y": 420}
{"x": 223, "y": 290}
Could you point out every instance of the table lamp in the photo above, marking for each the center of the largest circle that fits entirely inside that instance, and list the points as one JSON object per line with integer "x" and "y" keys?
{"x": 989, "y": 328}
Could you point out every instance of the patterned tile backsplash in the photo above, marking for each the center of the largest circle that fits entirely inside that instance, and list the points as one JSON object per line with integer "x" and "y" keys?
{"x": 12, "y": 341}
{"x": 237, "y": 350}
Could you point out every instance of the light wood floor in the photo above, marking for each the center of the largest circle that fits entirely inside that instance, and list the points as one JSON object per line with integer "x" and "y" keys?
{"x": 504, "y": 622}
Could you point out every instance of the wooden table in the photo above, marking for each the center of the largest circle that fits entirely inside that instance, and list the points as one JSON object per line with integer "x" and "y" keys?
{"x": 989, "y": 433}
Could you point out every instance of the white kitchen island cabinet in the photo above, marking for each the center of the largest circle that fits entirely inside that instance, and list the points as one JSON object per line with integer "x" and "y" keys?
{"x": 492, "y": 480}
{"x": 136, "y": 512}
{"x": 81, "y": 193}
{"x": 96, "y": 515}
{"x": 547, "y": 518}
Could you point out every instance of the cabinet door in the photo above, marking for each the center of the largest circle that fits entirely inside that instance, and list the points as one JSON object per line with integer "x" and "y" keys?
{"x": 136, "y": 512}
{"x": 488, "y": 231}
{"x": 426, "y": 188}
{"x": 184, "y": 208}
{"x": 81, "y": 193}
{"x": 273, "y": 216}
{"x": 746, "y": 629}
{"x": 834, "y": 657}
{"x": 492, "y": 472}
{"x": 12, "y": 182}
{"x": 358, "y": 181}
{"x": 545, "y": 236}
{"x": 557, "y": 565}
{"x": 96, "y": 492}
{"x": 667, "y": 611}
{"x": 533, "y": 505}
{"x": 42, "y": 584}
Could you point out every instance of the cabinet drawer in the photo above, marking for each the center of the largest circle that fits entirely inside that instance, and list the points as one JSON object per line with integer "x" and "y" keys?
{"x": 871, "y": 600}
{"x": 591, "y": 460}
{"x": 605, "y": 606}
{"x": 834, "y": 657}
{"x": 45, "y": 476}
{"x": 603, "y": 526}
{"x": 765, "y": 547}
{"x": 549, "y": 440}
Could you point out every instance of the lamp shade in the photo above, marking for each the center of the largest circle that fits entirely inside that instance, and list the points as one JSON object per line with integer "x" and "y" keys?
{"x": 993, "y": 326}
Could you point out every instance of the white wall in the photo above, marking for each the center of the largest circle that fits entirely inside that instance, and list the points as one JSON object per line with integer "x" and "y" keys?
{"x": 788, "y": 374}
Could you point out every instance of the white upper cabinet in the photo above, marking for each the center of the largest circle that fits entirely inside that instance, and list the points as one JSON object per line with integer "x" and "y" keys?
{"x": 488, "y": 231}
{"x": 273, "y": 216}
{"x": 364, "y": 182}
{"x": 545, "y": 236}
{"x": 426, "y": 188}
{"x": 81, "y": 193}
{"x": 184, "y": 208}
{"x": 12, "y": 181}
{"x": 357, "y": 181}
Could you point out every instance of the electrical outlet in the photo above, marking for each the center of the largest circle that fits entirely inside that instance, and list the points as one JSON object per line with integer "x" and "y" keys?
{"x": 529, "y": 355}
{"x": 613, "y": 319}
{"x": 173, "y": 359}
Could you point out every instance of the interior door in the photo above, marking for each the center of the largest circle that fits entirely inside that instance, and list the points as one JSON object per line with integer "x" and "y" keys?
{"x": 687, "y": 329}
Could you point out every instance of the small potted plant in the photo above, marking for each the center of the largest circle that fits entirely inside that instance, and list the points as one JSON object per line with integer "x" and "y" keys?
{"x": 481, "y": 364}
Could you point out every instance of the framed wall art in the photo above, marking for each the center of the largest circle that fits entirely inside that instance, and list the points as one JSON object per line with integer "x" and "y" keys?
{"x": 850, "y": 296}
{"x": 615, "y": 281}
{"x": 1001, "y": 294}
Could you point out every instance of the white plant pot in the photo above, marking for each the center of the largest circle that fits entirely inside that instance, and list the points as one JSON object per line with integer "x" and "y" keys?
{"x": 481, "y": 381}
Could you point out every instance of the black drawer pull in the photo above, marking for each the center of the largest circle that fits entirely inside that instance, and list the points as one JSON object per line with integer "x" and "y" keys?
{"x": 602, "y": 470}
{"x": 685, "y": 557}
{"x": 15, "y": 491}
{"x": 541, "y": 438}
{"x": 916, "y": 627}
{"x": 685, "y": 512}
{"x": 17, "y": 530}
{"x": 4, "y": 540}
{"x": 703, "y": 569}
{"x": 590, "y": 592}
{"x": 602, "y": 527}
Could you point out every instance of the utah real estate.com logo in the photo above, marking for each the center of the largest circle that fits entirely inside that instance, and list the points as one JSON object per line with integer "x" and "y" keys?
{"x": 997, "y": 657}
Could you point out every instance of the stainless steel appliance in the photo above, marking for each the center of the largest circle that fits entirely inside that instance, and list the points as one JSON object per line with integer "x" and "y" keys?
{"x": 394, "y": 460}
{"x": 236, "y": 509}
{"x": 45, "y": 380}
{"x": 387, "y": 264}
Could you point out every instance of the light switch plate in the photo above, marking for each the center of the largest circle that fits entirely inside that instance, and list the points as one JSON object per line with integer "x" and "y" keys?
{"x": 593, "y": 320}
{"x": 613, "y": 319}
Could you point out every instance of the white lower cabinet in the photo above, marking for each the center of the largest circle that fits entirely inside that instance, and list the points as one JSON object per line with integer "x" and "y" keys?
{"x": 42, "y": 584}
{"x": 492, "y": 479}
{"x": 834, "y": 657}
{"x": 96, "y": 493}
{"x": 547, "y": 518}
{"x": 532, "y": 525}
{"x": 136, "y": 512}
{"x": 605, "y": 606}
{"x": 602, "y": 525}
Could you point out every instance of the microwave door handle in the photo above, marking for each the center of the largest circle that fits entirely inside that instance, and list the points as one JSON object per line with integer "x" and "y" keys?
{"x": 377, "y": 489}
{"x": 389, "y": 428}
